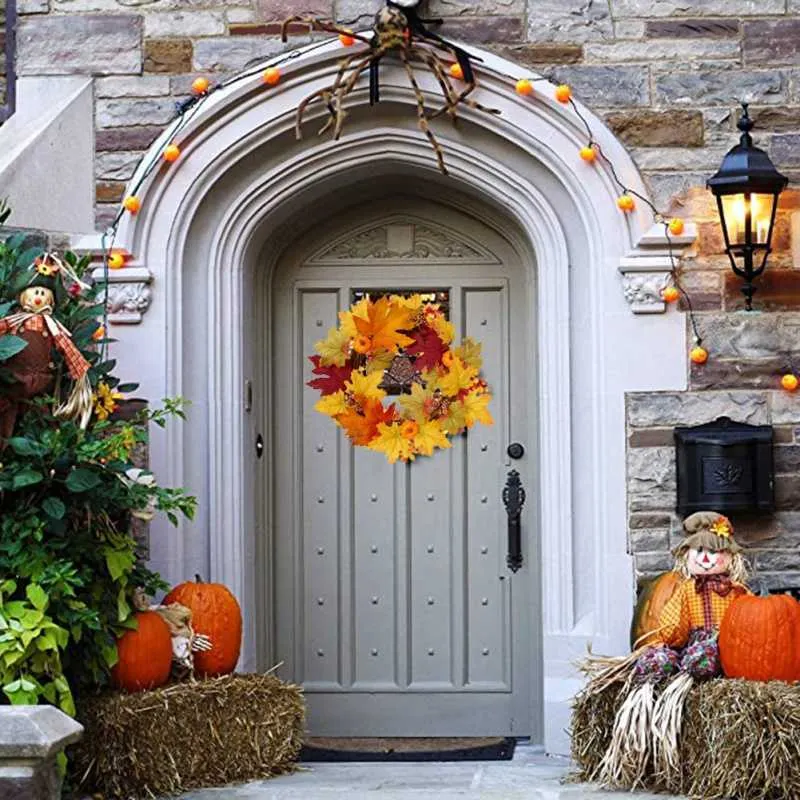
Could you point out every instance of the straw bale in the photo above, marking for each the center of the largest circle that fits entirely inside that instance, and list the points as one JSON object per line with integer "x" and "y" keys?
{"x": 187, "y": 736}
{"x": 739, "y": 739}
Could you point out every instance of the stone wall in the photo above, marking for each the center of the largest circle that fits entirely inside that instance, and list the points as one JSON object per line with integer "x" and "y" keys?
{"x": 666, "y": 76}
{"x": 3, "y": 64}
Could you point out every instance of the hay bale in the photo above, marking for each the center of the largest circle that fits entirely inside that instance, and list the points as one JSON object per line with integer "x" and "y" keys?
{"x": 188, "y": 736}
{"x": 739, "y": 739}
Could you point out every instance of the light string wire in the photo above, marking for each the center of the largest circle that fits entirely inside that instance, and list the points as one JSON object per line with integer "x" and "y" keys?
{"x": 189, "y": 107}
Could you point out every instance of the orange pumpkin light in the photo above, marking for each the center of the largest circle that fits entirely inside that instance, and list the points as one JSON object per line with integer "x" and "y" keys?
{"x": 790, "y": 382}
{"x": 563, "y": 93}
{"x": 676, "y": 226}
{"x": 144, "y": 655}
{"x": 698, "y": 355}
{"x": 271, "y": 76}
{"x": 346, "y": 39}
{"x": 759, "y": 638}
{"x": 670, "y": 294}
{"x": 116, "y": 260}
{"x": 200, "y": 85}
{"x": 100, "y": 333}
{"x": 588, "y": 154}
{"x": 524, "y": 86}
{"x": 171, "y": 153}
{"x": 456, "y": 71}
{"x": 216, "y": 614}
{"x": 132, "y": 203}
{"x": 626, "y": 203}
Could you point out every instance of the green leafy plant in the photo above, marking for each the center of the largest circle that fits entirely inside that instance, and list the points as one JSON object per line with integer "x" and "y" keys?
{"x": 68, "y": 559}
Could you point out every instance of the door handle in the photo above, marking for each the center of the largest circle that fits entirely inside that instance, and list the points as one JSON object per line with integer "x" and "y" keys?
{"x": 259, "y": 446}
{"x": 513, "y": 500}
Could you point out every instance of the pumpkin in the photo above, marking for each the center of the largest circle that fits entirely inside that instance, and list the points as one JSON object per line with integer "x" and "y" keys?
{"x": 144, "y": 656}
{"x": 216, "y": 614}
{"x": 759, "y": 638}
{"x": 653, "y": 596}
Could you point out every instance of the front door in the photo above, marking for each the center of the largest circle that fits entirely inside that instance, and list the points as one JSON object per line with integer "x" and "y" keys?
{"x": 394, "y": 605}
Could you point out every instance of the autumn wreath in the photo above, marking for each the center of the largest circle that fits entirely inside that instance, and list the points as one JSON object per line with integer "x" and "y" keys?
{"x": 397, "y": 345}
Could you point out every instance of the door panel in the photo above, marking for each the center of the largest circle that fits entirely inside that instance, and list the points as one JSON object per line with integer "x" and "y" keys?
{"x": 393, "y": 602}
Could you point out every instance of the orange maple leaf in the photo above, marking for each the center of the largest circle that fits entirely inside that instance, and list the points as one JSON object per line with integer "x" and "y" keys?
{"x": 363, "y": 428}
{"x": 384, "y": 324}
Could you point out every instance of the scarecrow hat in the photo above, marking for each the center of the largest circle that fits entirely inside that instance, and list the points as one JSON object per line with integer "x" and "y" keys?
{"x": 710, "y": 530}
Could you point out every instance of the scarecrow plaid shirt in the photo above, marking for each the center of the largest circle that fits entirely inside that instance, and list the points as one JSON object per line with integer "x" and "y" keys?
{"x": 36, "y": 323}
{"x": 696, "y": 604}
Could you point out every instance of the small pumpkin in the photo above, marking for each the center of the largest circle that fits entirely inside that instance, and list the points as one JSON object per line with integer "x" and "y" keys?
{"x": 653, "y": 596}
{"x": 759, "y": 638}
{"x": 144, "y": 656}
{"x": 216, "y": 614}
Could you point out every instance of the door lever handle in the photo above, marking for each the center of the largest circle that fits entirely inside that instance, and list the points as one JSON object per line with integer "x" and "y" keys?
{"x": 514, "y": 500}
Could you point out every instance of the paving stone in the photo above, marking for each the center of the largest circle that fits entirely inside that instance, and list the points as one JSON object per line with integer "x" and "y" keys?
{"x": 194, "y": 22}
{"x": 648, "y": 540}
{"x": 283, "y": 9}
{"x": 771, "y": 118}
{"x": 605, "y": 86}
{"x": 697, "y": 8}
{"x": 749, "y": 335}
{"x": 118, "y": 166}
{"x": 136, "y": 111}
{"x": 692, "y": 28}
{"x": 135, "y": 86}
{"x": 138, "y": 137}
{"x": 720, "y": 87}
{"x": 785, "y": 408}
{"x": 168, "y": 55}
{"x": 785, "y": 150}
{"x": 69, "y": 44}
{"x": 483, "y": 30}
{"x": 534, "y": 54}
{"x": 665, "y": 50}
{"x": 651, "y": 469}
{"x": 236, "y": 53}
{"x": 447, "y": 8}
{"x": 568, "y": 21}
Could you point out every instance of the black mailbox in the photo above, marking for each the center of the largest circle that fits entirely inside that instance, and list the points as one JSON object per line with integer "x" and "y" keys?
{"x": 724, "y": 466}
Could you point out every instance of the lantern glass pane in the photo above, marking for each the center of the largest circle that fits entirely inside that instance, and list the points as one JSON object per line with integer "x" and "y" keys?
{"x": 748, "y": 210}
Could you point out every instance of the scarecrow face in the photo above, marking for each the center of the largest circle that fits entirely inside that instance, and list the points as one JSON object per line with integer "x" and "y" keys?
{"x": 36, "y": 298}
{"x": 702, "y": 561}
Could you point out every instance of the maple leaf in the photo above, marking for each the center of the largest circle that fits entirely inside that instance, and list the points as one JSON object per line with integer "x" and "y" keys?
{"x": 332, "y": 404}
{"x": 417, "y": 404}
{"x": 444, "y": 328}
{"x": 365, "y": 387}
{"x": 428, "y": 348}
{"x": 379, "y": 362}
{"x": 333, "y": 377}
{"x": 391, "y": 442}
{"x": 346, "y": 318}
{"x": 459, "y": 377}
{"x": 335, "y": 348}
{"x": 429, "y": 437}
{"x": 476, "y": 408}
{"x": 362, "y": 429}
{"x": 456, "y": 419}
{"x": 470, "y": 352}
{"x": 384, "y": 324}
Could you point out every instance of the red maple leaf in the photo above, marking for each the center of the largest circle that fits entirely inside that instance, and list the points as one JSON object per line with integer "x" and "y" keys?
{"x": 333, "y": 378}
{"x": 428, "y": 348}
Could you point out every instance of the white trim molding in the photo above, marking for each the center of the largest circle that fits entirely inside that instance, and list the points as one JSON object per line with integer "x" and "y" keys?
{"x": 219, "y": 218}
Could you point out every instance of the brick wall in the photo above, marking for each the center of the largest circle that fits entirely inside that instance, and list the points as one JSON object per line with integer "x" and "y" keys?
{"x": 665, "y": 74}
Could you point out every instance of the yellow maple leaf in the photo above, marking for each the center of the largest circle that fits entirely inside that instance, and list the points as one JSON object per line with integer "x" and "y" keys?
{"x": 384, "y": 322}
{"x": 445, "y": 329}
{"x": 429, "y": 437}
{"x": 335, "y": 348}
{"x": 459, "y": 377}
{"x": 470, "y": 352}
{"x": 391, "y": 442}
{"x": 365, "y": 387}
{"x": 456, "y": 419}
{"x": 414, "y": 405}
{"x": 347, "y": 322}
{"x": 332, "y": 404}
{"x": 379, "y": 362}
{"x": 476, "y": 408}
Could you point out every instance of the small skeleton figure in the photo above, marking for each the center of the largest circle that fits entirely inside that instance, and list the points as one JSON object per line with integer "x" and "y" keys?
{"x": 185, "y": 642}
{"x": 398, "y": 30}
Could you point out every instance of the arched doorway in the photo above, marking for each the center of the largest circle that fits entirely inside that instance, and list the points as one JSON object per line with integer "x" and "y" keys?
{"x": 212, "y": 228}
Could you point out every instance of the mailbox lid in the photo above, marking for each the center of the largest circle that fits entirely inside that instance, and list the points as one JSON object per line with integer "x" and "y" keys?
{"x": 724, "y": 432}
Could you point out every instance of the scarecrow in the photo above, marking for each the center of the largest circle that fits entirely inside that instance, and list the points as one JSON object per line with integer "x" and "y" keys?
{"x": 33, "y": 369}
{"x": 682, "y": 649}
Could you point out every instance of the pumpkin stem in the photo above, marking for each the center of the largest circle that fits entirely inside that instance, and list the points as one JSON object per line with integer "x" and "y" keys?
{"x": 197, "y": 578}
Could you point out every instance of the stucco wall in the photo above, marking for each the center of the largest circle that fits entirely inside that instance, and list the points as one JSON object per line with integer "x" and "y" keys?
{"x": 665, "y": 75}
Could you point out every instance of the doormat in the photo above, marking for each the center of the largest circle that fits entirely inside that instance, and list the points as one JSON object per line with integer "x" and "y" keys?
{"x": 491, "y": 748}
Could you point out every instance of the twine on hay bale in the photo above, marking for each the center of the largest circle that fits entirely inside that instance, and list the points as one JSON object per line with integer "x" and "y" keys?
{"x": 188, "y": 736}
{"x": 739, "y": 739}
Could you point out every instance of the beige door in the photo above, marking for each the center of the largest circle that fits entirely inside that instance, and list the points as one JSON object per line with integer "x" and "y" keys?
{"x": 394, "y": 606}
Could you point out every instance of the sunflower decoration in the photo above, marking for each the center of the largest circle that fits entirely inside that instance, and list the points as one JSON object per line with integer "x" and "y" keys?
{"x": 105, "y": 401}
{"x": 403, "y": 347}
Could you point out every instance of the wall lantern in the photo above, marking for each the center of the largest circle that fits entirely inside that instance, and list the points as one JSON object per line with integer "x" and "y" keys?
{"x": 747, "y": 188}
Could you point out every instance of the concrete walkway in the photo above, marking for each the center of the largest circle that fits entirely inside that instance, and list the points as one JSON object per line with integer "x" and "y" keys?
{"x": 529, "y": 776}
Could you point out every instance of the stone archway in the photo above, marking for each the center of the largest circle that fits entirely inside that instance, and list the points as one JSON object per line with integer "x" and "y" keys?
{"x": 226, "y": 210}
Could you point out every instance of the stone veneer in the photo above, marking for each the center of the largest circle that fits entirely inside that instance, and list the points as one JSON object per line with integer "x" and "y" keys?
{"x": 3, "y": 65}
{"x": 666, "y": 75}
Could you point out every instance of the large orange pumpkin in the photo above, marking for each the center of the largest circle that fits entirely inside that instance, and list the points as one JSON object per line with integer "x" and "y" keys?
{"x": 653, "y": 596}
{"x": 216, "y": 614}
{"x": 759, "y": 638}
{"x": 144, "y": 655}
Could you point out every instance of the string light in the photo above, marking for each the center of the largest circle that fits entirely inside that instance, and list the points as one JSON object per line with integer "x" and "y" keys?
{"x": 171, "y": 153}
{"x": 132, "y": 204}
{"x": 790, "y": 382}
{"x": 347, "y": 40}
{"x": 271, "y": 76}
{"x": 524, "y": 86}
{"x": 200, "y": 85}
{"x": 456, "y": 71}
